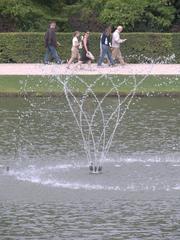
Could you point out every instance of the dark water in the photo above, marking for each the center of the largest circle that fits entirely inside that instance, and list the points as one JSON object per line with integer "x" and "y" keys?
{"x": 49, "y": 194}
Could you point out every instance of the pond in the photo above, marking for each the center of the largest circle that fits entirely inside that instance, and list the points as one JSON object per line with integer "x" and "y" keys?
{"x": 48, "y": 192}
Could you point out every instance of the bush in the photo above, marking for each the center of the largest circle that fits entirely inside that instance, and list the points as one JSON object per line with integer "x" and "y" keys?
{"x": 139, "y": 47}
{"x": 151, "y": 48}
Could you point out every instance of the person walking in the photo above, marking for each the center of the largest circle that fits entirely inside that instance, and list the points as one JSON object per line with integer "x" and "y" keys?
{"x": 106, "y": 44}
{"x": 51, "y": 44}
{"x": 75, "y": 48}
{"x": 116, "y": 41}
{"x": 86, "y": 55}
{"x": 100, "y": 46}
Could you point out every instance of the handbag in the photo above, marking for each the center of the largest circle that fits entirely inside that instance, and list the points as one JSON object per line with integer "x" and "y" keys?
{"x": 90, "y": 55}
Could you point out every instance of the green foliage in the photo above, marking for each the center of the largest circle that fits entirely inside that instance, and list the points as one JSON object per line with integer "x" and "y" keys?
{"x": 158, "y": 15}
{"x": 139, "y": 47}
{"x": 30, "y": 15}
{"x": 125, "y": 12}
{"x": 149, "y": 15}
{"x": 175, "y": 46}
{"x": 151, "y": 47}
{"x": 26, "y": 15}
{"x": 134, "y": 15}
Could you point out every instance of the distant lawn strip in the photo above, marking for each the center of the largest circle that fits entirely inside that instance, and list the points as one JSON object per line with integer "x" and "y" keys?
{"x": 51, "y": 85}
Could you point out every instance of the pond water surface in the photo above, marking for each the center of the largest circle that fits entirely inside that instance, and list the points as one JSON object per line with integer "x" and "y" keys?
{"x": 48, "y": 192}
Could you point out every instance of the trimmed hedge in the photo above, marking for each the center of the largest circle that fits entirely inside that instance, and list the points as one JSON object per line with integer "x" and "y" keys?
{"x": 139, "y": 47}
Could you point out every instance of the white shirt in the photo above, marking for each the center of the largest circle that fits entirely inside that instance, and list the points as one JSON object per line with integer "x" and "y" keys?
{"x": 75, "y": 42}
{"x": 116, "y": 40}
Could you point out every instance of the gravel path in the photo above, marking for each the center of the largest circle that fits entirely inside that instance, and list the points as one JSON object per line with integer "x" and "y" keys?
{"x": 54, "y": 69}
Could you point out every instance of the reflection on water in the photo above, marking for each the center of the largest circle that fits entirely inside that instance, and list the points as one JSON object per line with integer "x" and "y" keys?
{"x": 48, "y": 193}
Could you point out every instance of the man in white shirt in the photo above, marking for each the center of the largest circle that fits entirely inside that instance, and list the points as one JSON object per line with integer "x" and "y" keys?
{"x": 116, "y": 40}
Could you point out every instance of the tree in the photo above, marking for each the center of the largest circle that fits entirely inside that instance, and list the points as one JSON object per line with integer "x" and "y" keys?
{"x": 176, "y": 4}
{"x": 24, "y": 13}
{"x": 134, "y": 15}
{"x": 149, "y": 15}
{"x": 123, "y": 12}
{"x": 158, "y": 15}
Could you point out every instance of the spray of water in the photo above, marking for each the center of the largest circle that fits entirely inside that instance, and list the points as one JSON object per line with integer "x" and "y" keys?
{"x": 97, "y": 148}
{"x": 79, "y": 93}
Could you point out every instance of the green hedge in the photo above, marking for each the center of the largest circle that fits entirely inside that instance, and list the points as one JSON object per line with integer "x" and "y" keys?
{"x": 139, "y": 47}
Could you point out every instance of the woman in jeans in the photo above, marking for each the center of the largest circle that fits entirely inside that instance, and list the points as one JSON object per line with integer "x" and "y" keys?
{"x": 106, "y": 44}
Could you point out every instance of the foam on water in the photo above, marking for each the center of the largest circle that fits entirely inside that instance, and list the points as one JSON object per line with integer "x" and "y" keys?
{"x": 144, "y": 158}
{"x": 52, "y": 176}
{"x": 88, "y": 186}
{"x": 177, "y": 187}
{"x": 33, "y": 177}
{"x": 63, "y": 166}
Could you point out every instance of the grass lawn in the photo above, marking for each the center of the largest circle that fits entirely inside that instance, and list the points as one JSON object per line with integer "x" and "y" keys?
{"x": 36, "y": 85}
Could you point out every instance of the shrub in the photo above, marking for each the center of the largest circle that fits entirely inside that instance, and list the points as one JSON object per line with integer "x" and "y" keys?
{"x": 139, "y": 47}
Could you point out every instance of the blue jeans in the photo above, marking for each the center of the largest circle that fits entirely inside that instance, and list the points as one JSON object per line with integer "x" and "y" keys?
{"x": 105, "y": 51}
{"x": 52, "y": 51}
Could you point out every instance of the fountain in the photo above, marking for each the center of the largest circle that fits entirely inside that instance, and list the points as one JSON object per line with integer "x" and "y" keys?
{"x": 97, "y": 148}
{"x": 97, "y": 122}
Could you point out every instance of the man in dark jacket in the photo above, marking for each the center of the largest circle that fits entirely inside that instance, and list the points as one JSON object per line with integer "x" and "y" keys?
{"x": 51, "y": 44}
